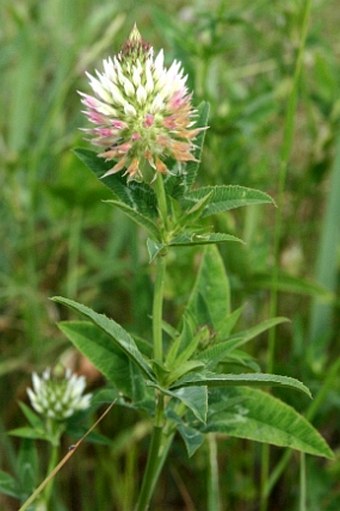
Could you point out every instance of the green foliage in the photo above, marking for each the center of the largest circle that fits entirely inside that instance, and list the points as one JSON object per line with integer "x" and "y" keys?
{"x": 112, "y": 353}
{"x": 116, "y": 332}
{"x": 225, "y": 380}
{"x": 106, "y": 356}
{"x": 224, "y": 198}
{"x": 58, "y": 239}
{"x": 136, "y": 196}
{"x": 8, "y": 485}
{"x": 256, "y": 415}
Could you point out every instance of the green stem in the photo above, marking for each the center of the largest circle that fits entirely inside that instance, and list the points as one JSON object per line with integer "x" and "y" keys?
{"x": 286, "y": 148}
{"x": 157, "y": 309}
{"x": 161, "y": 198}
{"x": 155, "y": 458}
{"x": 157, "y": 451}
{"x": 159, "y": 444}
{"x": 214, "y": 502}
{"x": 303, "y": 494}
{"x": 52, "y": 463}
{"x": 148, "y": 480}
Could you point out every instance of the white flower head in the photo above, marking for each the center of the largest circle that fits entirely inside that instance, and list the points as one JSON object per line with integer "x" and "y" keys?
{"x": 58, "y": 397}
{"x": 141, "y": 111}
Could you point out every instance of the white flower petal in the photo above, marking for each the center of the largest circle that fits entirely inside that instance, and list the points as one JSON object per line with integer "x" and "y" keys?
{"x": 128, "y": 87}
{"x": 149, "y": 84}
{"x": 141, "y": 95}
{"x": 36, "y": 381}
{"x": 136, "y": 76}
{"x": 98, "y": 88}
{"x": 159, "y": 61}
{"x": 129, "y": 109}
{"x": 157, "y": 103}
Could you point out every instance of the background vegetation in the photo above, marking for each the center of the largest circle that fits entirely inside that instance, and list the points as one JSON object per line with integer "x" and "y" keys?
{"x": 57, "y": 238}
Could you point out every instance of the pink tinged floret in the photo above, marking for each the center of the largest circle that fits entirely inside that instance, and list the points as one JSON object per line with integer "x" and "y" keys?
{"x": 135, "y": 136}
{"x": 95, "y": 117}
{"x": 193, "y": 133}
{"x": 182, "y": 151}
{"x": 117, "y": 168}
{"x": 149, "y": 119}
{"x": 123, "y": 148}
{"x": 119, "y": 125}
{"x": 161, "y": 167}
{"x": 89, "y": 101}
{"x": 170, "y": 122}
{"x": 164, "y": 141}
{"x": 177, "y": 99}
{"x": 116, "y": 151}
{"x": 149, "y": 157}
{"x": 105, "y": 132}
{"x": 98, "y": 106}
{"x": 133, "y": 168}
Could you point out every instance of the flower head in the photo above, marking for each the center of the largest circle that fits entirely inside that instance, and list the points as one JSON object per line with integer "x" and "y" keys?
{"x": 141, "y": 110}
{"x": 58, "y": 397}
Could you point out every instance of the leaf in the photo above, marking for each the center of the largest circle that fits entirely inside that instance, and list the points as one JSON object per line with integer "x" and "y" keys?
{"x": 27, "y": 465}
{"x": 28, "y": 432}
{"x": 242, "y": 359}
{"x": 182, "y": 349}
{"x": 257, "y": 415}
{"x": 182, "y": 369}
{"x": 326, "y": 270}
{"x": 137, "y": 217}
{"x": 32, "y": 417}
{"x": 105, "y": 355}
{"x": 182, "y": 341}
{"x": 209, "y": 302}
{"x": 9, "y": 486}
{"x": 153, "y": 248}
{"x": 121, "y": 337}
{"x": 104, "y": 395}
{"x": 228, "y": 323}
{"x": 136, "y": 195}
{"x": 216, "y": 353}
{"x": 196, "y": 400}
{"x": 187, "y": 239}
{"x": 190, "y": 238}
{"x": 99, "y": 166}
{"x": 192, "y": 438}
{"x": 193, "y": 166}
{"x": 226, "y": 197}
{"x": 251, "y": 379}
{"x": 143, "y": 198}
{"x": 194, "y": 213}
{"x": 256, "y": 330}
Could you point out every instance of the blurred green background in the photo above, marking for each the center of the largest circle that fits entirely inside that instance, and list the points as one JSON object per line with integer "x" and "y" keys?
{"x": 57, "y": 238}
